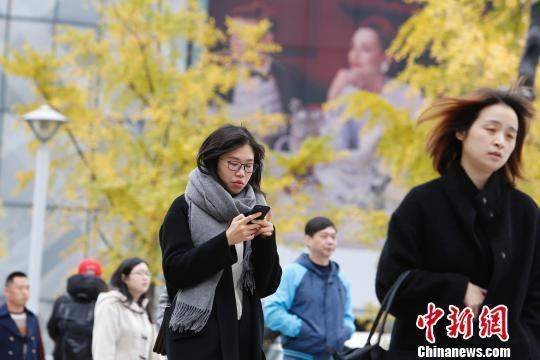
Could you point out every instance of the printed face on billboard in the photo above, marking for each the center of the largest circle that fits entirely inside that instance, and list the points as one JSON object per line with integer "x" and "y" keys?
{"x": 328, "y": 49}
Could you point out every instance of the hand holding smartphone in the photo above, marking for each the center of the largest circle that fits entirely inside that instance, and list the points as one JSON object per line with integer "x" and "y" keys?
{"x": 259, "y": 208}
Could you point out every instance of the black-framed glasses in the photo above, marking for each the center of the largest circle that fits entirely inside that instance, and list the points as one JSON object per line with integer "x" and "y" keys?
{"x": 236, "y": 166}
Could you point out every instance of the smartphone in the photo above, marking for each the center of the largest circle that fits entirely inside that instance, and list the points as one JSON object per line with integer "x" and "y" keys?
{"x": 259, "y": 208}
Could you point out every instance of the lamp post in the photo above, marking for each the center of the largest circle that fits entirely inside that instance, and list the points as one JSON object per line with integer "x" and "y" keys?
{"x": 44, "y": 123}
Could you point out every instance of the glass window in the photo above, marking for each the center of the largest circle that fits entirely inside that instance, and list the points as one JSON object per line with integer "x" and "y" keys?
{"x": 3, "y": 24}
{"x": 3, "y": 7}
{"x": 77, "y": 10}
{"x": 15, "y": 157}
{"x": 18, "y": 90}
{"x": 15, "y": 225}
{"x": 3, "y": 97}
{"x": 27, "y": 32}
{"x": 33, "y": 8}
{"x": 57, "y": 260}
{"x": 38, "y": 35}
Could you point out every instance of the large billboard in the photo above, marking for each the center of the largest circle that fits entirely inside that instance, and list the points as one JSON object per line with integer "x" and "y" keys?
{"x": 328, "y": 49}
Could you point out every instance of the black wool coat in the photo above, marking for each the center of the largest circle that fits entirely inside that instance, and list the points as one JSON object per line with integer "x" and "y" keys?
{"x": 449, "y": 234}
{"x": 223, "y": 337}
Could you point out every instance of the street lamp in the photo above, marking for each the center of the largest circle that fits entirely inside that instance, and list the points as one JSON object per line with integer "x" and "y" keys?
{"x": 44, "y": 122}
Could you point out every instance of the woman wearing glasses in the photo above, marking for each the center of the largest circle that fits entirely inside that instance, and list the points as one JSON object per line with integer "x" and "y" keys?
{"x": 217, "y": 262}
{"x": 122, "y": 323}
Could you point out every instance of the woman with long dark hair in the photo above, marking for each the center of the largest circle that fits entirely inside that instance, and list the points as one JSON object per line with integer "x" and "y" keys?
{"x": 123, "y": 327}
{"x": 469, "y": 237}
{"x": 218, "y": 263}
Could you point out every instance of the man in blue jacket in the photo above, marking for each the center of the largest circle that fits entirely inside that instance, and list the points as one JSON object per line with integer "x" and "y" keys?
{"x": 20, "y": 337}
{"x": 312, "y": 306}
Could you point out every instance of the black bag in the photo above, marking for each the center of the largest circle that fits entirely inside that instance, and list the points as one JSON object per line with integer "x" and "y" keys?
{"x": 375, "y": 351}
{"x": 159, "y": 345}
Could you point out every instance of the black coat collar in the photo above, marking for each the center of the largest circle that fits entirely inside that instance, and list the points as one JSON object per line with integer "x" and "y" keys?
{"x": 492, "y": 207}
{"x": 486, "y": 203}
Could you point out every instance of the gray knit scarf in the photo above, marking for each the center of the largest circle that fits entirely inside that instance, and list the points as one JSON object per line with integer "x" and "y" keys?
{"x": 211, "y": 208}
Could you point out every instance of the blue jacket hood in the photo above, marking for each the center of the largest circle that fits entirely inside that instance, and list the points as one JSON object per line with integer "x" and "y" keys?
{"x": 305, "y": 261}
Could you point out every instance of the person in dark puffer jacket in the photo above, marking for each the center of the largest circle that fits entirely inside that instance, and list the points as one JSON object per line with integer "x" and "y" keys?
{"x": 72, "y": 319}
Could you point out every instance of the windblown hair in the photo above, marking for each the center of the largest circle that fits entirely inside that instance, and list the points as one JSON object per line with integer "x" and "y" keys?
{"x": 455, "y": 115}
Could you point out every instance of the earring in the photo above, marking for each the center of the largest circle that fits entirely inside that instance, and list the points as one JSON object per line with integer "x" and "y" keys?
{"x": 384, "y": 67}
